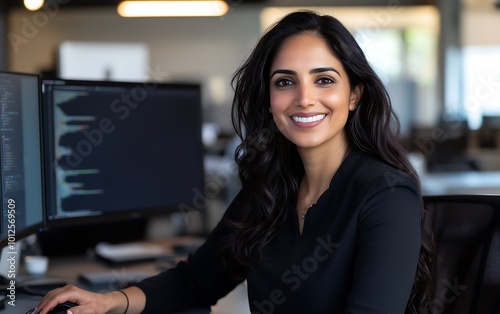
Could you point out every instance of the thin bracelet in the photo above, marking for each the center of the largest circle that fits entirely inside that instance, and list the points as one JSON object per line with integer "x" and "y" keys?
{"x": 126, "y": 297}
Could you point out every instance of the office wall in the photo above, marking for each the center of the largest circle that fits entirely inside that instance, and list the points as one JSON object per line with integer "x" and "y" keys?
{"x": 194, "y": 49}
{"x": 204, "y": 49}
{"x": 480, "y": 26}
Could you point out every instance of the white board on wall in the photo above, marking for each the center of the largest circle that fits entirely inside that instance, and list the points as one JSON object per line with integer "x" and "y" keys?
{"x": 81, "y": 60}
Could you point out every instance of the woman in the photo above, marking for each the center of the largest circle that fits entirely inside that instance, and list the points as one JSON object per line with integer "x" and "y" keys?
{"x": 328, "y": 219}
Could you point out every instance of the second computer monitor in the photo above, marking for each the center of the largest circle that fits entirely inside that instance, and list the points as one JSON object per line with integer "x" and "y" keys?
{"x": 21, "y": 172}
{"x": 121, "y": 150}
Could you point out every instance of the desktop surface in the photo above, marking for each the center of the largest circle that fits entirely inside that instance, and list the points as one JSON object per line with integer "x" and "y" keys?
{"x": 67, "y": 268}
{"x": 467, "y": 182}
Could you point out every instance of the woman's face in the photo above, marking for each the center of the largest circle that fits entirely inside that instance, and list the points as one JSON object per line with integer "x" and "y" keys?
{"x": 310, "y": 94}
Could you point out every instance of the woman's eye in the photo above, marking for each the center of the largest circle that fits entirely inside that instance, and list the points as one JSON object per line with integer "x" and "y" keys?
{"x": 325, "y": 80}
{"x": 283, "y": 82}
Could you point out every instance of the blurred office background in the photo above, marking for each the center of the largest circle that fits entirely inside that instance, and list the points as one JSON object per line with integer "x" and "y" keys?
{"x": 440, "y": 60}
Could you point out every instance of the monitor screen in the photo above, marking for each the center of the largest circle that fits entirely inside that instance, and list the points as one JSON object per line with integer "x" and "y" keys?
{"x": 120, "y": 150}
{"x": 20, "y": 158}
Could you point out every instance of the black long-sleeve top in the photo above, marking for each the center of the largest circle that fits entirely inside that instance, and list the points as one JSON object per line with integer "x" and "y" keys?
{"x": 357, "y": 253}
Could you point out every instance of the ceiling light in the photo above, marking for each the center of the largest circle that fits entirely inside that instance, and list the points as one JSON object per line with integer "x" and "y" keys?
{"x": 33, "y": 5}
{"x": 172, "y": 8}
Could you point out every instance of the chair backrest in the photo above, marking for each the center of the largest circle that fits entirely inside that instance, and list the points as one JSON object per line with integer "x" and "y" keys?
{"x": 467, "y": 270}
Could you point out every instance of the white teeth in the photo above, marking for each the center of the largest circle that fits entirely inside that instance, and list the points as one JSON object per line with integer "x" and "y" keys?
{"x": 309, "y": 119}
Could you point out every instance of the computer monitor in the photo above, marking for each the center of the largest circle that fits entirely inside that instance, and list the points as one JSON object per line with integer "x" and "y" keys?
{"x": 20, "y": 161}
{"x": 120, "y": 150}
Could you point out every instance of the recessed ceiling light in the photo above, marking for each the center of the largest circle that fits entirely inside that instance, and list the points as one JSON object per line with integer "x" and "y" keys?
{"x": 172, "y": 8}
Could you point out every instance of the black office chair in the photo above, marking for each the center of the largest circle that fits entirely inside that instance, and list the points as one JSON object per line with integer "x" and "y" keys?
{"x": 467, "y": 270}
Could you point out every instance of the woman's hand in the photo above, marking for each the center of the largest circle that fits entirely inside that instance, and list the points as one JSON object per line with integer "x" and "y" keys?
{"x": 88, "y": 302}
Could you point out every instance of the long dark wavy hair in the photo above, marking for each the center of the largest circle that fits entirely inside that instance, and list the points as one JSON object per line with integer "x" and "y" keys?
{"x": 269, "y": 165}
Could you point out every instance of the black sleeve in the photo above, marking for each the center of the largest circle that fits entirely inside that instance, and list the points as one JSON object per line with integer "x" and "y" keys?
{"x": 388, "y": 249}
{"x": 198, "y": 282}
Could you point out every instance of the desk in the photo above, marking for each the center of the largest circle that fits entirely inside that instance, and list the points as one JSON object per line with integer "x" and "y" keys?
{"x": 68, "y": 269}
{"x": 469, "y": 182}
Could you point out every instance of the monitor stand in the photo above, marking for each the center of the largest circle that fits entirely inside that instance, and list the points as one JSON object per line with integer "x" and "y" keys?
{"x": 67, "y": 240}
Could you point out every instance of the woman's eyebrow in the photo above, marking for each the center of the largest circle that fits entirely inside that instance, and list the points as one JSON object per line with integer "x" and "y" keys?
{"x": 327, "y": 69}
{"x": 313, "y": 71}
{"x": 281, "y": 71}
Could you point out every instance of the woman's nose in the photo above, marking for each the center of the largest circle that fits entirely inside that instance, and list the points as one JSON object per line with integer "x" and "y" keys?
{"x": 306, "y": 95}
